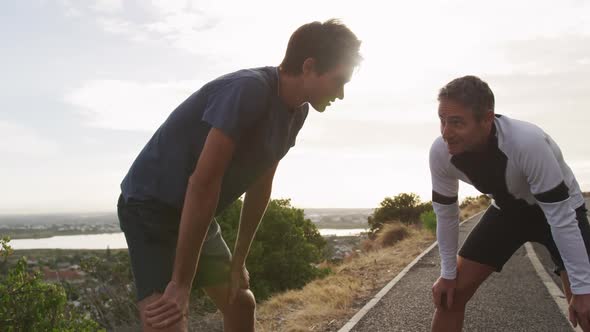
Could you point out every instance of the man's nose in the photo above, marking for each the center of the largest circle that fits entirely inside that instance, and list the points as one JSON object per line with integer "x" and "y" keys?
{"x": 445, "y": 131}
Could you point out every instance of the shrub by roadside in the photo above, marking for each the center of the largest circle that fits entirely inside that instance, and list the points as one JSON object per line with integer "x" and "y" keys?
{"x": 428, "y": 219}
{"x": 404, "y": 207}
{"x": 391, "y": 233}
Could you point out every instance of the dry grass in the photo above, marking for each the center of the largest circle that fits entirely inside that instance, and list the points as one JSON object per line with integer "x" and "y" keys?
{"x": 475, "y": 206}
{"x": 326, "y": 305}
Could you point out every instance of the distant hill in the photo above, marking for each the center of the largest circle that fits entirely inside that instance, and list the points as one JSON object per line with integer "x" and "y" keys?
{"x": 323, "y": 217}
{"x": 59, "y": 218}
{"x": 339, "y": 217}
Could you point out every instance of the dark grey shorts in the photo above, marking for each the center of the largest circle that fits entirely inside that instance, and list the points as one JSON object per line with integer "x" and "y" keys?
{"x": 498, "y": 235}
{"x": 151, "y": 231}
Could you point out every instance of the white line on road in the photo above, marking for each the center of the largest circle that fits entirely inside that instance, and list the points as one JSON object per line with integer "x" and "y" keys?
{"x": 553, "y": 289}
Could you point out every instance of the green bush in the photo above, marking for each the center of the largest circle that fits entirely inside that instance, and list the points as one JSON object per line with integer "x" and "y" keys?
{"x": 405, "y": 208}
{"x": 428, "y": 219}
{"x": 29, "y": 304}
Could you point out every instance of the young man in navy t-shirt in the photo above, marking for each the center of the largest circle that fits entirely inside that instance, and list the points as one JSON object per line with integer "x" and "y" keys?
{"x": 225, "y": 140}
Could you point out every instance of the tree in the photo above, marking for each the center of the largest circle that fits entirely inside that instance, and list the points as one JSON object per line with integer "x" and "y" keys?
{"x": 285, "y": 250}
{"x": 404, "y": 207}
{"x": 29, "y": 304}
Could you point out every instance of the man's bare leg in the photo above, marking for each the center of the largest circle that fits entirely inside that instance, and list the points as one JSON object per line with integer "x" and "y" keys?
{"x": 238, "y": 316}
{"x": 470, "y": 275}
{"x": 181, "y": 326}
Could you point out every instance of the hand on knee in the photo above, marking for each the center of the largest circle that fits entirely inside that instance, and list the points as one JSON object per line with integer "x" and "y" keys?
{"x": 180, "y": 326}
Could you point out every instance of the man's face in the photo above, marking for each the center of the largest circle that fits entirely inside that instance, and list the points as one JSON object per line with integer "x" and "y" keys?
{"x": 460, "y": 129}
{"x": 322, "y": 89}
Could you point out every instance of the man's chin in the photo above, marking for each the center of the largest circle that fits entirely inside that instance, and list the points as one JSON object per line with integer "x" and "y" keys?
{"x": 320, "y": 108}
{"x": 454, "y": 150}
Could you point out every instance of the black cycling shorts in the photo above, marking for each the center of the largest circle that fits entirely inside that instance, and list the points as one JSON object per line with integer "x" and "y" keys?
{"x": 498, "y": 235}
{"x": 151, "y": 231}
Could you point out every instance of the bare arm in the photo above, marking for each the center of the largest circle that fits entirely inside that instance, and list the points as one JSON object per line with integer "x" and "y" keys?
{"x": 200, "y": 202}
{"x": 255, "y": 203}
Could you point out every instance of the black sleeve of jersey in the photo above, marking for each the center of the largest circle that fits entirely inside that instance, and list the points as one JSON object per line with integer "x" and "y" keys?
{"x": 557, "y": 194}
{"x": 441, "y": 199}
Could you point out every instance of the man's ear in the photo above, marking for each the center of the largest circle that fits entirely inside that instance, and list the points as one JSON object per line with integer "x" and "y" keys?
{"x": 489, "y": 117}
{"x": 309, "y": 66}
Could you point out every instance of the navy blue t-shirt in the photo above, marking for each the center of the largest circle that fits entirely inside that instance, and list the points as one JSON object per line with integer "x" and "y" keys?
{"x": 244, "y": 105}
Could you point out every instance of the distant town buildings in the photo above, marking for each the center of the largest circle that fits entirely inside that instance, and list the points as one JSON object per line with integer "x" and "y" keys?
{"x": 72, "y": 274}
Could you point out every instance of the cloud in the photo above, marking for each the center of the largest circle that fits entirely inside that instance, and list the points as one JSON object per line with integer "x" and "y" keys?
{"x": 129, "y": 105}
{"x": 549, "y": 76}
{"x": 108, "y": 6}
{"x": 175, "y": 22}
{"x": 21, "y": 141}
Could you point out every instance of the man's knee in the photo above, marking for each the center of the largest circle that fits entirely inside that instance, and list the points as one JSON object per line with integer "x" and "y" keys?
{"x": 460, "y": 299}
{"x": 244, "y": 301}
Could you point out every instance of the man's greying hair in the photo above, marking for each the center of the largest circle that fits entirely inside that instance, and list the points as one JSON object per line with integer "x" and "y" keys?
{"x": 471, "y": 92}
{"x": 329, "y": 43}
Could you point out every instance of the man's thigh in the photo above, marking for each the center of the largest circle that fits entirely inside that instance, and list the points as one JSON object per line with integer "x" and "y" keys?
{"x": 151, "y": 232}
{"x": 494, "y": 239}
{"x": 470, "y": 275}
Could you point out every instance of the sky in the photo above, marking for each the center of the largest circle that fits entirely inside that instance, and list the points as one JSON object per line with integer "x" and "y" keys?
{"x": 86, "y": 83}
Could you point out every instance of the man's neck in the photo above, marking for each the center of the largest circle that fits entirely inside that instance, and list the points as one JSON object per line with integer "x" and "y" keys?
{"x": 489, "y": 140}
{"x": 290, "y": 90}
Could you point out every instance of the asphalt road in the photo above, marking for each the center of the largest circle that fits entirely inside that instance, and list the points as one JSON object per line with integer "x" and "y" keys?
{"x": 513, "y": 300}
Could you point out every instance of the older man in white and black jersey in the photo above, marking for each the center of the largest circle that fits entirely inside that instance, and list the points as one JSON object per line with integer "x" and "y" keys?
{"x": 535, "y": 198}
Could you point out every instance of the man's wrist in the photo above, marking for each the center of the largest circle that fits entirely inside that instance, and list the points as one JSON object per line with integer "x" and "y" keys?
{"x": 180, "y": 285}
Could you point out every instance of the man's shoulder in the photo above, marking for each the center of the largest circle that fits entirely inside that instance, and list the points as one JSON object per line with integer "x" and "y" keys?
{"x": 440, "y": 158}
{"x": 439, "y": 147}
{"x": 261, "y": 77}
{"x": 518, "y": 135}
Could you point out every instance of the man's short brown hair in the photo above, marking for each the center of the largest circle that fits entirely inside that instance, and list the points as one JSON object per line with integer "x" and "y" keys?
{"x": 329, "y": 43}
{"x": 471, "y": 92}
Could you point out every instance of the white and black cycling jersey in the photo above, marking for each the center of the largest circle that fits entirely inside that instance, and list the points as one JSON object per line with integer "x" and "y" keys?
{"x": 520, "y": 166}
